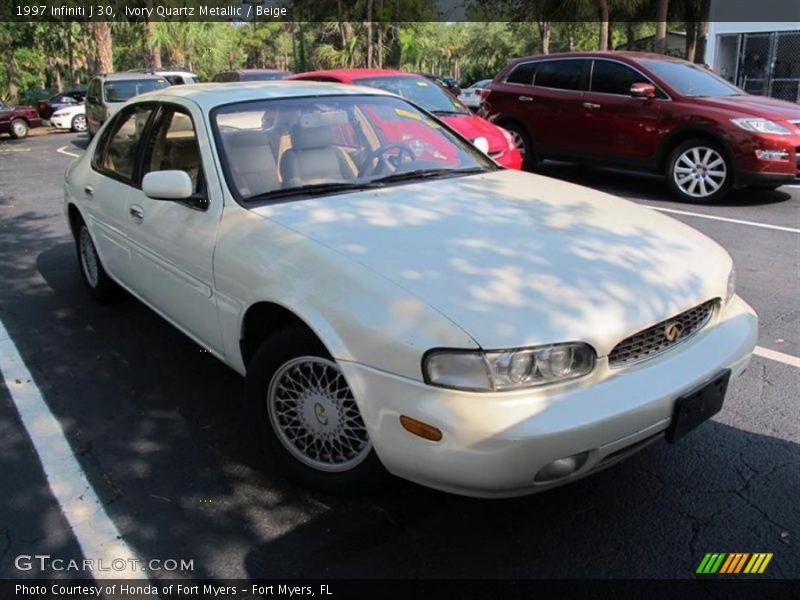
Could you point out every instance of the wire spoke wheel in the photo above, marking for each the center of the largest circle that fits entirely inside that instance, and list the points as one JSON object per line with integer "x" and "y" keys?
{"x": 699, "y": 172}
{"x": 315, "y": 417}
{"x": 88, "y": 258}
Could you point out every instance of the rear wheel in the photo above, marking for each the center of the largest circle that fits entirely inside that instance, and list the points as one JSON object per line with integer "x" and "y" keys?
{"x": 79, "y": 123}
{"x": 19, "y": 129}
{"x": 699, "y": 170}
{"x": 523, "y": 143}
{"x": 305, "y": 415}
{"x": 101, "y": 287}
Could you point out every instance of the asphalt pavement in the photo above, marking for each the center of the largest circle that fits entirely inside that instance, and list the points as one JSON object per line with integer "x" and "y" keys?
{"x": 157, "y": 426}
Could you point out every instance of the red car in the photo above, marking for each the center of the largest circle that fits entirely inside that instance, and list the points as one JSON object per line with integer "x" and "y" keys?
{"x": 647, "y": 112}
{"x": 17, "y": 120}
{"x": 431, "y": 97}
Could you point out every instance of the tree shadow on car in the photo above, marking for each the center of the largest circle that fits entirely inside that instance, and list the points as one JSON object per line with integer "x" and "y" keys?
{"x": 649, "y": 187}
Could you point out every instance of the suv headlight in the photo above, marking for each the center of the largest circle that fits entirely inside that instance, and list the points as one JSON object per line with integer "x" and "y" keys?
{"x": 500, "y": 370}
{"x": 731, "y": 290}
{"x": 762, "y": 126}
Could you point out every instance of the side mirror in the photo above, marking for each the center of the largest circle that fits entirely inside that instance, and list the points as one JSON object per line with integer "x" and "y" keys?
{"x": 482, "y": 144}
{"x": 167, "y": 185}
{"x": 643, "y": 90}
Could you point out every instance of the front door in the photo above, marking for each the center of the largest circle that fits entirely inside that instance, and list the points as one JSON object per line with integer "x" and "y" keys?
{"x": 172, "y": 243}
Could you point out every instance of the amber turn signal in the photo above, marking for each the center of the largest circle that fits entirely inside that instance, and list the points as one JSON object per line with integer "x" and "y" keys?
{"x": 423, "y": 430}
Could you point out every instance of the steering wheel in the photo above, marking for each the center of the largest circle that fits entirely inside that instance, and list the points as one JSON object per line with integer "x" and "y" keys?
{"x": 366, "y": 167}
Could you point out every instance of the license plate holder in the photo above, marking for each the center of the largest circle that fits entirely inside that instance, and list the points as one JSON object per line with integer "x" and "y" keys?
{"x": 697, "y": 406}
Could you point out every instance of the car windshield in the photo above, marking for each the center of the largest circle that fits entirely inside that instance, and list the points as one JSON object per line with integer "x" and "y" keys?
{"x": 321, "y": 145}
{"x": 419, "y": 90}
{"x": 263, "y": 76}
{"x": 691, "y": 80}
{"x": 125, "y": 89}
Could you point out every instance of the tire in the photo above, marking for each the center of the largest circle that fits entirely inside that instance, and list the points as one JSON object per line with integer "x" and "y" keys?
{"x": 78, "y": 123}
{"x": 273, "y": 408}
{"x": 699, "y": 170}
{"x": 101, "y": 287}
{"x": 524, "y": 144}
{"x": 19, "y": 129}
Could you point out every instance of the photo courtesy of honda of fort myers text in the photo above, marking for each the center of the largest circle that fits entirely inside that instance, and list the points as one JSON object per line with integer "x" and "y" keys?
{"x": 399, "y": 298}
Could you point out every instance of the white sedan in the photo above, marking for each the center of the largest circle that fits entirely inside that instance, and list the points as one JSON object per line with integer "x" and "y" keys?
{"x": 398, "y": 302}
{"x": 473, "y": 95}
{"x": 70, "y": 117}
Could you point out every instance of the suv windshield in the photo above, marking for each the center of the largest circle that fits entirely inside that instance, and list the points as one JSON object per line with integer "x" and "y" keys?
{"x": 321, "y": 145}
{"x": 124, "y": 89}
{"x": 691, "y": 80}
{"x": 419, "y": 90}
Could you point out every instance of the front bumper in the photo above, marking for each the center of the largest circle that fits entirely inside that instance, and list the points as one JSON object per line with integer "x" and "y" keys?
{"x": 752, "y": 170}
{"x": 495, "y": 444}
{"x": 61, "y": 122}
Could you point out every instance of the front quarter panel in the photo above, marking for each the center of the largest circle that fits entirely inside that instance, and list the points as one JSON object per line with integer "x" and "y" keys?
{"x": 359, "y": 316}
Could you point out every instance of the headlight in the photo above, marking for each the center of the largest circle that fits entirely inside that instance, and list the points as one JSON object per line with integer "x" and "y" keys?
{"x": 731, "y": 291}
{"x": 762, "y": 126}
{"x": 507, "y": 369}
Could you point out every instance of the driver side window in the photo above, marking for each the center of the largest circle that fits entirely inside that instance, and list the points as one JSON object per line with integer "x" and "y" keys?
{"x": 117, "y": 151}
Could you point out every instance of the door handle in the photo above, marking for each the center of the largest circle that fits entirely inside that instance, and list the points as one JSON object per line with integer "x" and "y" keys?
{"x": 136, "y": 213}
{"x": 525, "y": 99}
{"x": 591, "y": 105}
{"x": 89, "y": 191}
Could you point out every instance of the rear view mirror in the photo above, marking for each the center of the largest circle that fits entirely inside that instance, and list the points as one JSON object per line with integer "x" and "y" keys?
{"x": 643, "y": 90}
{"x": 167, "y": 185}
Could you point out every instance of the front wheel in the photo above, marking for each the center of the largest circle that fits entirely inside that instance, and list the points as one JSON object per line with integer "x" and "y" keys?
{"x": 305, "y": 415}
{"x": 699, "y": 171}
{"x": 19, "y": 129}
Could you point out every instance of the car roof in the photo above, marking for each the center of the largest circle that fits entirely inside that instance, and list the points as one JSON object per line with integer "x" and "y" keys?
{"x": 211, "y": 95}
{"x": 163, "y": 73}
{"x": 351, "y": 74}
{"x": 623, "y": 54}
{"x": 128, "y": 76}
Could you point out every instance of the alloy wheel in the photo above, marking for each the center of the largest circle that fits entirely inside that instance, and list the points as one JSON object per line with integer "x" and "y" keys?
{"x": 79, "y": 123}
{"x": 699, "y": 172}
{"x": 315, "y": 416}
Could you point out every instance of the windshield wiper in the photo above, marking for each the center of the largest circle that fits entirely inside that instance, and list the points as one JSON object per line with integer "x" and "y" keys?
{"x": 314, "y": 189}
{"x": 426, "y": 174}
{"x": 449, "y": 112}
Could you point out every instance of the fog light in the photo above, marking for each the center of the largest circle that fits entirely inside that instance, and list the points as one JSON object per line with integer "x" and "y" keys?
{"x": 563, "y": 467}
{"x": 772, "y": 154}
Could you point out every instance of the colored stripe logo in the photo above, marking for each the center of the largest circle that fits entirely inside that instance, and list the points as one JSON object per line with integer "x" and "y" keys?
{"x": 734, "y": 563}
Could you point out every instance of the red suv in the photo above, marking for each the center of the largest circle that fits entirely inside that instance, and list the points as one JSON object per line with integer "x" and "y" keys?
{"x": 647, "y": 112}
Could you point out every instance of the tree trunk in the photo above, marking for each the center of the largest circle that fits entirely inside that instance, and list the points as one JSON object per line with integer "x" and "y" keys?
{"x": 660, "y": 43}
{"x": 152, "y": 49}
{"x": 691, "y": 40}
{"x": 101, "y": 34}
{"x": 604, "y": 20}
{"x": 11, "y": 81}
{"x": 544, "y": 33}
{"x": 380, "y": 45}
{"x": 630, "y": 34}
{"x": 702, "y": 38}
{"x": 340, "y": 17}
{"x": 370, "y": 43}
{"x": 70, "y": 56}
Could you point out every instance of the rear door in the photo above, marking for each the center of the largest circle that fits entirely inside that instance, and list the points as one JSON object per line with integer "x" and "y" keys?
{"x": 615, "y": 124}
{"x": 172, "y": 242}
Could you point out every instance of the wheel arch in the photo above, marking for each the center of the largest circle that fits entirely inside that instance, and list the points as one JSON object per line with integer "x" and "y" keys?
{"x": 74, "y": 218}
{"x": 678, "y": 137}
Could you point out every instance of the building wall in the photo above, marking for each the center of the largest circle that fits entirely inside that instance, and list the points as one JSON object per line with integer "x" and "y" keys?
{"x": 716, "y": 28}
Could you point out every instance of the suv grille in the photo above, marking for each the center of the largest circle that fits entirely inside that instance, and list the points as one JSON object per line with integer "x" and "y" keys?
{"x": 661, "y": 336}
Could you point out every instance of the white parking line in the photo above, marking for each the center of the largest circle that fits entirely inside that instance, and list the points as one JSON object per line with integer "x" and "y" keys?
{"x": 63, "y": 150}
{"x": 787, "y": 359}
{"x": 97, "y": 535}
{"x": 726, "y": 219}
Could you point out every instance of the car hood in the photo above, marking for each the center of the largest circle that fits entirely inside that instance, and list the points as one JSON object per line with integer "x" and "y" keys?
{"x": 760, "y": 106}
{"x": 518, "y": 259}
{"x": 472, "y": 126}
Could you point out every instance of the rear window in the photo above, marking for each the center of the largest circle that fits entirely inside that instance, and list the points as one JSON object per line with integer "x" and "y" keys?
{"x": 125, "y": 89}
{"x": 262, "y": 76}
{"x": 562, "y": 74}
{"x": 419, "y": 90}
{"x": 522, "y": 74}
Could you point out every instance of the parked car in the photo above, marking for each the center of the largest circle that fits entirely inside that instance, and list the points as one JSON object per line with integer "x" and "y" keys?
{"x": 173, "y": 76}
{"x": 480, "y": 330}
{"x": 107, "y": 93}
{"x": 448, "y": 83}
{"x": 70, "y": 117}
{"x": 648, "y": 112}
{"x": 251, "y": 75}
{"x": 64, "y": 99}
{"x": 497, "y": 142}
{"x": 18, "y": 120}
{"x": 473, "y": 95}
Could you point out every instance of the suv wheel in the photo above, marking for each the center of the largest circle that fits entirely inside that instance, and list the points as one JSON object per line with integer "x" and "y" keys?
{"x": 523, "y": 143}
{"x": 305, "y": 415}
{"x": 699, "y": 171}
{"x": 19, "y": 129}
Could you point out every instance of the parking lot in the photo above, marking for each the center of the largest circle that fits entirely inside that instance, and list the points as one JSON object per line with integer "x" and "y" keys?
{"x": 157, "y": 426}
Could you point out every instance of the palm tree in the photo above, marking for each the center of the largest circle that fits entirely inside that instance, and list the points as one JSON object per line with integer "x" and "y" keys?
{"x": 660, "y": 43}
{"x": 104, "y": 50}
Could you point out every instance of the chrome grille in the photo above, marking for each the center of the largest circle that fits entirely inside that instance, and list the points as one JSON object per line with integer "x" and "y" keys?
{"x": 654, "y": 340}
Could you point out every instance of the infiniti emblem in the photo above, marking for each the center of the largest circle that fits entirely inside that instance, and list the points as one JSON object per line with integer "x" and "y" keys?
{"x": 673, "y": 330}
{"x": 319, "y": 410}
